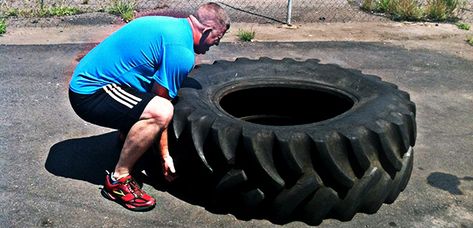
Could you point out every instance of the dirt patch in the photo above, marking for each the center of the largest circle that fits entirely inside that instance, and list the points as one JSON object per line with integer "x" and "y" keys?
{"x": 92, "y": 28}
{"x": 438, "y": 37}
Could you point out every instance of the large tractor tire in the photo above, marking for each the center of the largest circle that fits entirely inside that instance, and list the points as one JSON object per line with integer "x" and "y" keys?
{"x": 298, "y": 140}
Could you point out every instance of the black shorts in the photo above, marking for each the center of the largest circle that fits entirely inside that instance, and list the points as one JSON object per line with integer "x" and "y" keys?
{"x": 113, "y": 106}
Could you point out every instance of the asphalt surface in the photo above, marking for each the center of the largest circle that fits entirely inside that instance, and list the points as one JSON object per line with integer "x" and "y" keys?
{"x": 52, "y": 163}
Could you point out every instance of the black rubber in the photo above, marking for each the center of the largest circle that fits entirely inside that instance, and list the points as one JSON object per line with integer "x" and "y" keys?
{"x": 302, "y": 140}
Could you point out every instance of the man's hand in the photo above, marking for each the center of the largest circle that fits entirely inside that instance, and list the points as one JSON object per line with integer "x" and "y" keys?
{"x": 168, "y": 168}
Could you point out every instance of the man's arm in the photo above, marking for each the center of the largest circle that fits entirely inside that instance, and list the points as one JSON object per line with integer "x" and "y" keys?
{"x": 175, "y": 66}
{"x": 160, "y": 91}
{"x": 167, "y": 161}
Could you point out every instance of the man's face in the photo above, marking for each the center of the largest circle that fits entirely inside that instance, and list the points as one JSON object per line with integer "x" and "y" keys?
{"x": 210, "y": 37}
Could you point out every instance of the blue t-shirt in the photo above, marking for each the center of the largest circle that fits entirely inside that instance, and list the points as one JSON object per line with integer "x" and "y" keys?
{"x": 147, "y": 49}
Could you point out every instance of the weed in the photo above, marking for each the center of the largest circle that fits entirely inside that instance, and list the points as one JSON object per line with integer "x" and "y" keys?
{"x": 397, "y": 9}
{"x": 368, "y": 5}
{"x": 123, "y": 9}
{"x": 3, "y": 27}
{"x": 12, "y": 12}
{"x": 414, "y": 10}
{"x": 383, "y": 6}
{"x": 470, "y": 40}
{"x": 380, "y": 6}
{"x": 463, "y": 26}
{"x": 246, "y": 36}
{"x": 443, "y": 10}
{"x": 409, "y": 10}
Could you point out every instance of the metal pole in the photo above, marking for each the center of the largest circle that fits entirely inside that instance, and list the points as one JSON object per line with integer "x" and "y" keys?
{"x": 289, "y": 12}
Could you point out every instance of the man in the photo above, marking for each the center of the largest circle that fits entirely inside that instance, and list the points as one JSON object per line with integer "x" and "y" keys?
{"x": 127, "y": 81}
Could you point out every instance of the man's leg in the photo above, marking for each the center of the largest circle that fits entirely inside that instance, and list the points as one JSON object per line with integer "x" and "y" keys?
{"x": 145, "y": 114}
{"x": 122, "y": 187}
{"x": 155, "y": 118}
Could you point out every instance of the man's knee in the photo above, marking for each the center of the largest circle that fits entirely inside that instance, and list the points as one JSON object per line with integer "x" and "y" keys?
{"x": 159, "y": 109}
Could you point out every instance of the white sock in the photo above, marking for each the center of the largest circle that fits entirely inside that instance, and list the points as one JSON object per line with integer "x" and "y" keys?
{"x": 115, "y": 178}
{"x": 112, "y": 176}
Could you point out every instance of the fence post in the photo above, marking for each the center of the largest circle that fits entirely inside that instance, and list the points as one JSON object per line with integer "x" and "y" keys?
{"x": 289, "y": 12}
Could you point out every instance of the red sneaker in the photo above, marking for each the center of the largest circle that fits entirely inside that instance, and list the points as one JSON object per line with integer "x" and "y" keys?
{"x": 128, "y": 193}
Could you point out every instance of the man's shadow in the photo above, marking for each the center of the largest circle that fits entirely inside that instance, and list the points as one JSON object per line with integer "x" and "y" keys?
{"x": 89, "y": 158}
{"x": 85, "y": 159}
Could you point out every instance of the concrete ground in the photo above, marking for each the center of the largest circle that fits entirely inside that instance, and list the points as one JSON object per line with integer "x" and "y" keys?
{"x": 52, "y": 163}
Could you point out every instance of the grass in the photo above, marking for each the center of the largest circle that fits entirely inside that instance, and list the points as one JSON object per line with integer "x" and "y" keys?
{"x": 3, "y": 27}
{"x": 414, "y": 10}
{"x": 59, "y": 11}
{"x": 246, "y": 36}
{"x": 46, "y": 12}
{"x": 123, "y": 9}
{"x": 463, "y": 26}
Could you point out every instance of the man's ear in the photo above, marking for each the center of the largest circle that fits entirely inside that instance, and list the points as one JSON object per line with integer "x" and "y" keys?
{"x": 203, "y": 37}
{"x": 205, "y": 33}
{"x": 207, "y": 30}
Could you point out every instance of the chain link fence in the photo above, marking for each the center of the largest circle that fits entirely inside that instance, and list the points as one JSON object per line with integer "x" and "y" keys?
{"x": 255, "y": 11}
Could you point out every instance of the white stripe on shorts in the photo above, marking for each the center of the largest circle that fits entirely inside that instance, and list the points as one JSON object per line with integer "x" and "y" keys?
{"x": 112, "y": 92}
{"x": 120, "y": 95}
{"x": 129, "y": 95}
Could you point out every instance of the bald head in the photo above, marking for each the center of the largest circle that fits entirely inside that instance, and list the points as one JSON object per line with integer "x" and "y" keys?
{"x": 213, "y": 15}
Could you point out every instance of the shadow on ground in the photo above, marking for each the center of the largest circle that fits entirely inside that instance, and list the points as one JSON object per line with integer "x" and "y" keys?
{"x": 89, "y": 158}
{"x": 85, "y": 159}
{"x": 447, "y": 182}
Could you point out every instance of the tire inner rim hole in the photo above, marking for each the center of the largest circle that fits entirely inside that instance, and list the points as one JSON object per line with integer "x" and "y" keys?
{"x": 284, "y": 106}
